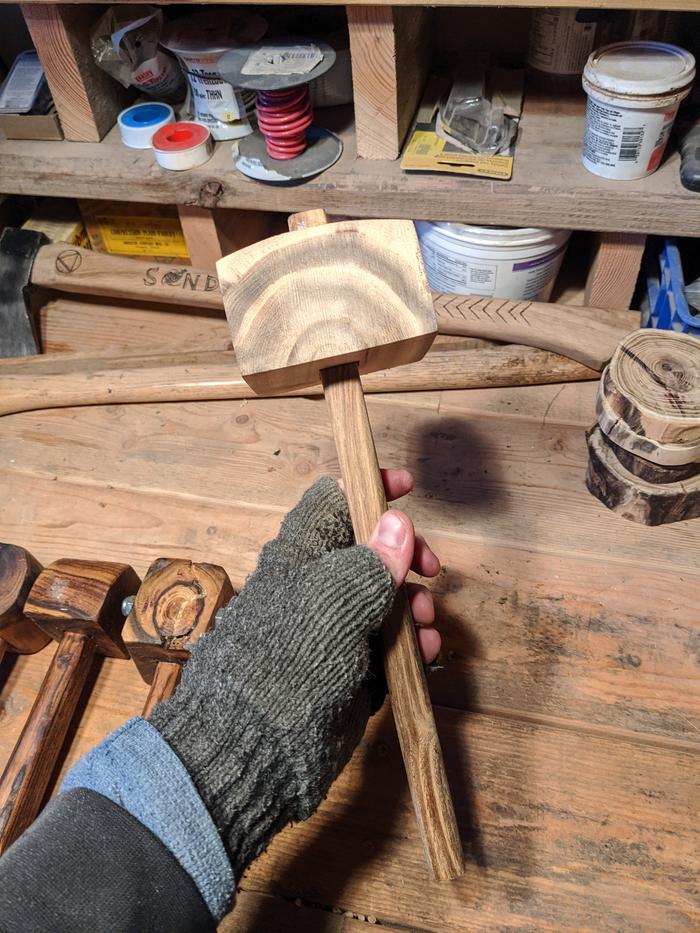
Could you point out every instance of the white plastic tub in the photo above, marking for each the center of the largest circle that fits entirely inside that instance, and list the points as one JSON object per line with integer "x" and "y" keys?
{"x": 634, "y": 90}
{"x": 505, "y": 262}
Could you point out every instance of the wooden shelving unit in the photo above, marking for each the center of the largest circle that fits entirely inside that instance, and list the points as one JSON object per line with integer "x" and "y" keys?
{"x": 549, "y": 186}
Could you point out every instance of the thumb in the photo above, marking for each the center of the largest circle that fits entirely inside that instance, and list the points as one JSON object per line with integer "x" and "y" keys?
{"x": 393, "y": 540}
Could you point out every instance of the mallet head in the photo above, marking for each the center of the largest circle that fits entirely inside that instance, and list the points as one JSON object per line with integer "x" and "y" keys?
{"x": 176, "y": 604}
{"x": 18, "y": 571}
{"x": 304, "y": 301}
{"x": 83, "y": 596}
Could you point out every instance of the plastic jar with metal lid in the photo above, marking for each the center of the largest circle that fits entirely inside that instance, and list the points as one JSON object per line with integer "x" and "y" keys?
{"x": 502, "y": 262}
{"x": 634, "y": 90}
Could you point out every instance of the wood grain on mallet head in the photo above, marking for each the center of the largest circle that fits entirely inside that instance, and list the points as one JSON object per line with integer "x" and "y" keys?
{"x": 18, "y": 571}
{"x": 347, "y": 292}
{"x": 176, "y": 603}
{"x": 85, "y": 597}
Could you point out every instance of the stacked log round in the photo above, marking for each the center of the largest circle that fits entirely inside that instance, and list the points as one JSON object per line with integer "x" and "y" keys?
{"x": 644, "y": 452}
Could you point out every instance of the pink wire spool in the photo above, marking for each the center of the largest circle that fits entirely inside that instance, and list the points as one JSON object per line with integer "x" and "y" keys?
{"x": 283, "y": 118}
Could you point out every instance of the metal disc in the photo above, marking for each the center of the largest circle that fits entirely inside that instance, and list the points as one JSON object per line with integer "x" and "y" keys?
{"x": 231, "y": 64}
{"x": 323, "y": 150}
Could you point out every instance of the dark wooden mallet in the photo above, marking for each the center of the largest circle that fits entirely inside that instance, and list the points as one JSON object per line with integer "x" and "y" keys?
{"x": 176, "y": 603}
{"x": 325, "y": 303}
{"x": 77, "y": 602}
{"x": 18, "y": 571}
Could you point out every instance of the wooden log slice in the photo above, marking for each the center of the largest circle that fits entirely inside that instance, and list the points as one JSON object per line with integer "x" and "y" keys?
{"x": 634, "y": 498}
{"x": 653, "y": 385}
{"x": 653, "y": 451}
{"x": 651, "y": 472}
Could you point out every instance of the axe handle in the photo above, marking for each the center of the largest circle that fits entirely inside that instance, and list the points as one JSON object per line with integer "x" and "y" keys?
{"x": 588, "y": 335}
{"x": 52, "y": 382}
{"x": 66, "y": 268}
{"x": 28, "y": 772}
{"x": 410, "y": 702}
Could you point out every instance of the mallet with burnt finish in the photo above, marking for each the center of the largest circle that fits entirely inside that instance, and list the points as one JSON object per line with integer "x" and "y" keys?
{"x": 176, "y": 603}
{"x": 77, "y": 602}
{"x": 18, "y": 571}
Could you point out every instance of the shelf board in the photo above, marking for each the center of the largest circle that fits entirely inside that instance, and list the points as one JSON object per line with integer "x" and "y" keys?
{"x": 683, "y": 5}
{"x": 549, "y": 187}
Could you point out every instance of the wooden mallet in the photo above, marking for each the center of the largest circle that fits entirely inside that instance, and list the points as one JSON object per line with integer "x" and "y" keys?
{"x": 324, "y": 304}
{"x": 176, "y": 603}
{"x": 77, "y": 602}
{"x": 18, "y": 571}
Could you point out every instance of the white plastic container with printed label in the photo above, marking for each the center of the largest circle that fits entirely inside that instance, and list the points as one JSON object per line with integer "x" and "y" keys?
{"x": 199, "y": 41}
{"x": 634, "y": 90}
{"x": 505, "y": 262}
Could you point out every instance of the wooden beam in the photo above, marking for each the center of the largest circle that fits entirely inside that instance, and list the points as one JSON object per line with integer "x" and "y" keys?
{"x": 87, "y": 99}
{"x": 201, "y": 236}
{"x": 612, "y": 277}
{"x": 390, "y": 51}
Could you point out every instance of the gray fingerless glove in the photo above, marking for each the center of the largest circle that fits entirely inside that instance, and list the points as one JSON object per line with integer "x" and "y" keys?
{"x": 273, "y": 702}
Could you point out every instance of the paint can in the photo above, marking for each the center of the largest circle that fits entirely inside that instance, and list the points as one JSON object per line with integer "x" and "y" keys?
{"x": 137, "y": 124}
{"x": 560, "y": 42}
{"x": 179, "y": 146}
{"x": 199, "y": 41}
{"x": 634, "y": 90}
{"x": 501, "y": 262}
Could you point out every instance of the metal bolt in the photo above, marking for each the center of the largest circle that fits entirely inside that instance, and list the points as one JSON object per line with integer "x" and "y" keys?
{"x": 128, "y": 605}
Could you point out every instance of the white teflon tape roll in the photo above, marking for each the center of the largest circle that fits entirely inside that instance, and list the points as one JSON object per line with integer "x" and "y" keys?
{"x": 138, "y": 124}
{"x": 180, "y": 146}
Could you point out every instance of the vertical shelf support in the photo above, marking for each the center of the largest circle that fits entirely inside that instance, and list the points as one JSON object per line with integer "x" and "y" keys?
{"x": 616, "y": 260}
{"x": 390, "y": 51}
{"x": 87, "y": 99}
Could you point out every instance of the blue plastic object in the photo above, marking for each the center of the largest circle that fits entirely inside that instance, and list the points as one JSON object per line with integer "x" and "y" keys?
{"x": 145, "y": 115}
{"x": 667, "y": 308}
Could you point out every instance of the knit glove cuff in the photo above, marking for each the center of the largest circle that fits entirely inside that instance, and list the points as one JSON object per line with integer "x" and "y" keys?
{"x": 274, "y": 700}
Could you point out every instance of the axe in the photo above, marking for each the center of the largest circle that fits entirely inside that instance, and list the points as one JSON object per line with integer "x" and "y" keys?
{"x": 587, "y": 335}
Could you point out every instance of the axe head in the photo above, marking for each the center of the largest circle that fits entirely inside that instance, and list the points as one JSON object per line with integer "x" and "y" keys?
{"x": 18, "y": 250}
{"x": 346, "y": 292}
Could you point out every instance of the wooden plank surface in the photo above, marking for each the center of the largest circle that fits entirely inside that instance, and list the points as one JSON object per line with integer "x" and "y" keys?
{"x": 688, "y": 5}
{"x": 549, "y": 187}
{"x": 570, "y": 688}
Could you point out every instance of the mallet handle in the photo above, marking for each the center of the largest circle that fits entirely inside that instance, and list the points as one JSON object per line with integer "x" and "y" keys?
{"x": 27, "y": 774}
{"x": 413, "y": 712}
{"x": 165, "y": 681}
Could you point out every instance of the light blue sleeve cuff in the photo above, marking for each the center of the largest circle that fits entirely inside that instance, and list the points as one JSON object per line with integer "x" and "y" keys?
{"x": 136, "y": 768}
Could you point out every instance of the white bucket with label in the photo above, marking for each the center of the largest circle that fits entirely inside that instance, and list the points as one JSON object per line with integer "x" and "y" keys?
{"x": 634, "y": 90}
{"x": 504, "y": 262}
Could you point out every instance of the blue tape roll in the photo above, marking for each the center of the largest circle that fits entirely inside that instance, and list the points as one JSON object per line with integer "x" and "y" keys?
{"x": 137, "y": 124}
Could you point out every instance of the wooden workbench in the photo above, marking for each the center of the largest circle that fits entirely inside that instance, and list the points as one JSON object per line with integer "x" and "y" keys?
{"x": 568, "y": 702}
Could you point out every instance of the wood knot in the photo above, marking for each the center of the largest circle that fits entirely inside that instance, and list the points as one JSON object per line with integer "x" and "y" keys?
{"x": 210, "y": 194}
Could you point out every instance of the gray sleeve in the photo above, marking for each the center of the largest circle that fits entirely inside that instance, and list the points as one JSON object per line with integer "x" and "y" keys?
{"x": 87, "y": 865}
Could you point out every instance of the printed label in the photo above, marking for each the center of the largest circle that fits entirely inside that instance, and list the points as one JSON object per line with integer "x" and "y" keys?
{"x": 624, "y": 143}
{"x": 213, "y": 99}
{"x": 160, "y": 76}
{"x": 143, "y": 236}
{"x": 296, "y": 60}
{"x": 20, "y": 88}
{"x": 559, "y": 43}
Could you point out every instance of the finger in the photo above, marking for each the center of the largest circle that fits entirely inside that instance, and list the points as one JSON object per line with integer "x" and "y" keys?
{"x": 397, "y": 483}
{"x": 429, "y": 642}
{"x": 424, "y": 560}
{"x": 392, "y": 540}
{"x": 422, "y": 606}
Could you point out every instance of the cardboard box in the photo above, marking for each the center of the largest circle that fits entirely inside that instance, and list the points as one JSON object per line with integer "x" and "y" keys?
{"x": 30, "y": 126}
{"x": 147, "y": 231}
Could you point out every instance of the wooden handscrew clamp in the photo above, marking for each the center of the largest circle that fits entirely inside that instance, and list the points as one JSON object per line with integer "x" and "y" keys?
{"x": 323, "y": 304}
{"x": 77, "y": 602}
{"x": 18, "y": 571}
{"x": 176, "y": 603}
